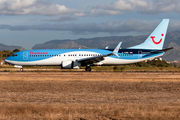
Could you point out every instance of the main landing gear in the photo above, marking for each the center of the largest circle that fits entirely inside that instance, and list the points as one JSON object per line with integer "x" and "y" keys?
{"x": 21, "y": 69}
{"x": 88, "y": 68}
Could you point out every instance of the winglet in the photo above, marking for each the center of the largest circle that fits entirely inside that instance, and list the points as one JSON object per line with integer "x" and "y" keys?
{"x": 115, "y": 51}
{"x": 107, "y": 47}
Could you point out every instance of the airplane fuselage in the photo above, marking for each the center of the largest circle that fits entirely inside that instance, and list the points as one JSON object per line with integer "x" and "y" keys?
{"x": 57, "y": 56}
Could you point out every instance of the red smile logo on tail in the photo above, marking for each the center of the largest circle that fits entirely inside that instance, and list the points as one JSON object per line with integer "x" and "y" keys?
{"x": 155, "y": 41}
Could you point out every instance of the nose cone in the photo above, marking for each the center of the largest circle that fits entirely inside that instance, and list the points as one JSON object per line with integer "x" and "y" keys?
{"x": 6, "y": 60}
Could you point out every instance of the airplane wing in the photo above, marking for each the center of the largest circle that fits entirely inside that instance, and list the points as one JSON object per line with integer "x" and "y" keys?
{"x": 96, "y": 59}
{"x": 91, "y": 60}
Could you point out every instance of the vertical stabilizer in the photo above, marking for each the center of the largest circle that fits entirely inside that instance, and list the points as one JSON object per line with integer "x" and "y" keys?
{"x": 156, "y": 38}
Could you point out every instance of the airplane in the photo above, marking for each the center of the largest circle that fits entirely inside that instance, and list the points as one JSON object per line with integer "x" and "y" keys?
{"x": 150, "y": 49}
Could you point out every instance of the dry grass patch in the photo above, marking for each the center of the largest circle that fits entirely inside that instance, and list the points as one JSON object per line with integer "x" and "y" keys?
{"x": 78, "y": 96}
{"x": 90, "y": 112}
{"x": 84, "y": 76}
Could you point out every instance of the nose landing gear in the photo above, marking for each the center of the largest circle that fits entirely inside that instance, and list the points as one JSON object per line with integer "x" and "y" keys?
{"x": 21, "y": 68}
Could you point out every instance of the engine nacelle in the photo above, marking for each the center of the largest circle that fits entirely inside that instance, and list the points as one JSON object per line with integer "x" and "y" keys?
{"x": 71, "y": 64}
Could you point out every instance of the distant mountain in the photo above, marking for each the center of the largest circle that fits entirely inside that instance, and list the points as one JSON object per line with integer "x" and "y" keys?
{"x": 99, "y": 42}
{"x": 11, "y": 48}
{"x": 172, "y": 40}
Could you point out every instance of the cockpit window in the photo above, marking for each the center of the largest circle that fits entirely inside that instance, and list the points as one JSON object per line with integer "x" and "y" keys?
{"x": 14, "y": 55}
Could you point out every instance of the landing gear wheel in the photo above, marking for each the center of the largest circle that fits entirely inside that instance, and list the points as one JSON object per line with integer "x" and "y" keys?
{"x": 88, "y": 69}
{"x": 21, "y": 69}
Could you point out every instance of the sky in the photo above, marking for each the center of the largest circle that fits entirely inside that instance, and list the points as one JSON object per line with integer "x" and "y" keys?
{"x": 29, "y": 22}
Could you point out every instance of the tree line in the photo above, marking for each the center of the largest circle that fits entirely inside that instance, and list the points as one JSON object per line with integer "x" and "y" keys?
{"x": 153, "y": 63}
{"x": 7, "y": 53}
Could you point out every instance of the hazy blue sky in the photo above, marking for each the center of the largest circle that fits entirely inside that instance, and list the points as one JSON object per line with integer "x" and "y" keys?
{"x": 29, "y": 22}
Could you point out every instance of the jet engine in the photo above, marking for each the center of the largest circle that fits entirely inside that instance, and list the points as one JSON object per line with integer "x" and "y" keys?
{"x": 71, "y": 64}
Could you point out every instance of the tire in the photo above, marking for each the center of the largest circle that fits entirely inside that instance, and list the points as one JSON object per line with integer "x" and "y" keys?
{"x": 21, "y": 69}
{"x": 88, "y": 69}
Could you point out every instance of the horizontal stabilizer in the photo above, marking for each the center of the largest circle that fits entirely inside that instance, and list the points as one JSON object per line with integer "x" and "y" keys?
{"x": 167, "y": 49}
{"x": 164, "y": 50}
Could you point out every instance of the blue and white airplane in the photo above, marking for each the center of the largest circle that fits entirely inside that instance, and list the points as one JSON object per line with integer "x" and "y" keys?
{"x": 150, "y": 49}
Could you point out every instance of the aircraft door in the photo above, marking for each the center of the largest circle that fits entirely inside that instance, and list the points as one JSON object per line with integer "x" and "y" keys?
{"x": 140, "y": 54}
{"x": 77, "y": 56}
{"x": 25, "y": 55}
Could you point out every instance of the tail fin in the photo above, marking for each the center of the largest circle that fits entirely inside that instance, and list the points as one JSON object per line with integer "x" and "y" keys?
{"x": 156, "y": 38}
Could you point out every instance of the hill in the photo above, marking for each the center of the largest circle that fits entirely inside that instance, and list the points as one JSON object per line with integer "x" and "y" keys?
{"x": 172, "y": 40}
{"x": 11, "y": 47}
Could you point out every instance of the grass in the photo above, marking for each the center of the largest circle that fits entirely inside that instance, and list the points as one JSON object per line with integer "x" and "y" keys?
{"x": 81, "y": 95}
{"x": 122, "y": 68}
{"x": 96, "y": 111}
{"x": 6, "y": 66}
{"x": 127, "y": 68}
